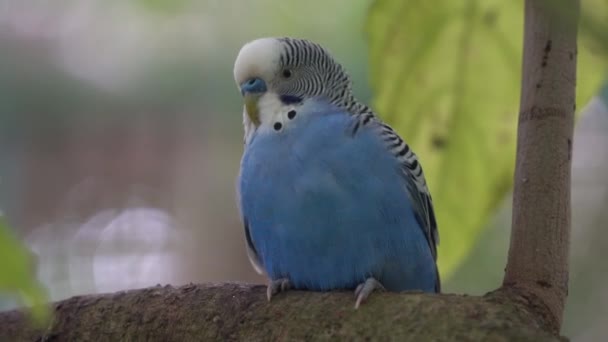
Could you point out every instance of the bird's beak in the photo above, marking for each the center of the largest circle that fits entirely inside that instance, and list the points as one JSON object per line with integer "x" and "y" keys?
{"x": 251, "y": 107}
{"x": 252, "y": 90}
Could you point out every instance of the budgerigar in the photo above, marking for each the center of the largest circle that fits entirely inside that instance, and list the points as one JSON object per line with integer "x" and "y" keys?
{"x": 330, "y": 196}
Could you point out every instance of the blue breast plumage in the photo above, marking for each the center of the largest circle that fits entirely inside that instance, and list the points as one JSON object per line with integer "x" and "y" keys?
{"x": 327, "y": 209}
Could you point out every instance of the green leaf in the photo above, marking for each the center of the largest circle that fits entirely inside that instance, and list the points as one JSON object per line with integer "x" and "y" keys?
{"x": 446, "y": 76}
{"x": 16, "y": 275}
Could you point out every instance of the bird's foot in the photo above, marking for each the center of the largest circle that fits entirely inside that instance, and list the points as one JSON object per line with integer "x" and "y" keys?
{"x": 366, "y": 288}
{"x": 276, "y": 286}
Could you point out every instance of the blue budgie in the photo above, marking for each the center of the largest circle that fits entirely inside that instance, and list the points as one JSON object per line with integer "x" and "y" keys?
{"x": 330, "y": 196}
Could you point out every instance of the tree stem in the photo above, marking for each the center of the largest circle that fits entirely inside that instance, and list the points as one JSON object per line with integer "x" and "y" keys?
{"x": 540, "y": 234}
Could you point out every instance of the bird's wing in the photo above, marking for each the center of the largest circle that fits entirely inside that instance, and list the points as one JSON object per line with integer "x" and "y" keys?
{"x": 254, "y": 258}
{"x": 412, "y": 175}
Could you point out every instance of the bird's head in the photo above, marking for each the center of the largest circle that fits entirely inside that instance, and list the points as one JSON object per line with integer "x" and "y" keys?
{"x": 285, "y": 72}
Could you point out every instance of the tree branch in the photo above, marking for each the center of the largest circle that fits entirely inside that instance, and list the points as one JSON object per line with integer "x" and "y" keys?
{"x": 231, "y": 312}
{"x": 540, "y": 233}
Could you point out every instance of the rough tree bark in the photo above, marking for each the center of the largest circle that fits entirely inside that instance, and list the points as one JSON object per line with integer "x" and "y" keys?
{"x": 540, "y": 233}
{"x": 229, "y": 312}
{"x": 528, "y": 307}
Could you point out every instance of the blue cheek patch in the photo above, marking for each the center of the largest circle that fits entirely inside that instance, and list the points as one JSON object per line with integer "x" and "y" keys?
{"x": 290, "y": 99}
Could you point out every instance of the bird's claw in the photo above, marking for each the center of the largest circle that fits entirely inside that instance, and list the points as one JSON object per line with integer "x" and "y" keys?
{"x": 366, "y": 288}
{"x": 276, "y": 286}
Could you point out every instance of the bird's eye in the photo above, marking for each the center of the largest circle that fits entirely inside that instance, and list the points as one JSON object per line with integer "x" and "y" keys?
{"x": 287, "y": 73}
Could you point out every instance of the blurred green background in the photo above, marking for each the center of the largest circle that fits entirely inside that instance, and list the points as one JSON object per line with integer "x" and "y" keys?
{"x": 120, "y": 136}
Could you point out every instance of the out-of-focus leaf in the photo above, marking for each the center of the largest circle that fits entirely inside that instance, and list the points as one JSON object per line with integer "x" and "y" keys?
{"x": 594, "y": 24}
{"x": 16, "y": 275}
{"x": 446, "y": 75}
{"x": 163, "y": 6}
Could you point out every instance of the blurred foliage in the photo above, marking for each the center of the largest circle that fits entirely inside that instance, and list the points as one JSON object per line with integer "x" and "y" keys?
{"x": 593, "y": 25}
{"x": 17, "y": 275}
{"x": 163, "y": 6}
{"x": 447, "y": 76}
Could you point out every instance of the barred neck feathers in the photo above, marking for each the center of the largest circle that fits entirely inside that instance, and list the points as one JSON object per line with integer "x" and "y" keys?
{"x": 318, "y": 75}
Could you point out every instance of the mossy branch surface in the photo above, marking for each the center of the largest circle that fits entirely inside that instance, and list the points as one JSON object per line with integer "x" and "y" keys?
{"x": 239, "y": 312}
